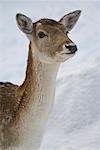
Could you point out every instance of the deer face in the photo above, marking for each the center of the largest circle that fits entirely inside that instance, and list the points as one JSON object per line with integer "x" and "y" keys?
{"x": 49, "y": 38}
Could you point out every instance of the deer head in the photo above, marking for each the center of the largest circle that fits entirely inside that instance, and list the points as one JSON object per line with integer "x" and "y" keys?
{"x": 49, "y": 39}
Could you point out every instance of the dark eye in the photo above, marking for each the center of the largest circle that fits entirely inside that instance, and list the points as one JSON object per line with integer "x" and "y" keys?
{"x": 41, "y": 34}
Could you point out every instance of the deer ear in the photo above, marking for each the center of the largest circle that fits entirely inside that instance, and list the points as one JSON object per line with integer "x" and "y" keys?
{"x": 24, "y": 23}
{"x": 70, "y": 19}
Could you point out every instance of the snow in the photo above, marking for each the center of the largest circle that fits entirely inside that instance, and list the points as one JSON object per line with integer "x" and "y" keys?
{"x": 75, "y": 121}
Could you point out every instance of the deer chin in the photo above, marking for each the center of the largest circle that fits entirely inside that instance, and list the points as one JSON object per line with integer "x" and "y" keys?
{"x": 62, "y": 57}
{"x": 57, "y": 59}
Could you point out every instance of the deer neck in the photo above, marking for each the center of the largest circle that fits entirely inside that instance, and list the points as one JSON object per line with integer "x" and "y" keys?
{"x": 38, "y": 97}
{"x": 40, "y": 79}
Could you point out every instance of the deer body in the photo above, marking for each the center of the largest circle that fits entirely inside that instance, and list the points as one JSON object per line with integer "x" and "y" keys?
{"x": 25, "y": 108}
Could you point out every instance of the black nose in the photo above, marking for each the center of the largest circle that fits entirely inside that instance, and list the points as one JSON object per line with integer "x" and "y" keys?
{"x": 71, "y": 48}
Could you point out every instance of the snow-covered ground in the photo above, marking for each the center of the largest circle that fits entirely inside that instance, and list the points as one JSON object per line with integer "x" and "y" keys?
{"x": 75, "y": 121}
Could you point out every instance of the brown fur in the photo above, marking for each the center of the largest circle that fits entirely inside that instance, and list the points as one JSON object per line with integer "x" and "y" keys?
{"x": 14, "y": 100}
{"x": 9, "y": 102}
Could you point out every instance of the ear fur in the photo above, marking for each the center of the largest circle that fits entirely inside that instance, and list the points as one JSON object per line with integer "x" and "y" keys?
{"x": 24, "y": 23}
{"x": 70, "y": 19}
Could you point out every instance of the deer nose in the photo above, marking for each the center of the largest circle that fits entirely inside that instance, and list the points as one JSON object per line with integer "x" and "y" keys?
{"x": 71, "y": 48}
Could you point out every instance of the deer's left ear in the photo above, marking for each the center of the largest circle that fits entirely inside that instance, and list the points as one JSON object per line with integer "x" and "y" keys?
{"x": 70, "y": 19}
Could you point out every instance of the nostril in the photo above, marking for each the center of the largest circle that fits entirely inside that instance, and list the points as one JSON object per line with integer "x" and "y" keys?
{"x": 71, "y": 48}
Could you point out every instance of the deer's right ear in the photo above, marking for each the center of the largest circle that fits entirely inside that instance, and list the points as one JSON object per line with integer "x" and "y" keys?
{"x": 24, "y": 23}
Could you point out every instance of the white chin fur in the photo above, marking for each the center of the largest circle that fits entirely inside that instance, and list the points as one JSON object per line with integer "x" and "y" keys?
{"x": 61, "y": 57}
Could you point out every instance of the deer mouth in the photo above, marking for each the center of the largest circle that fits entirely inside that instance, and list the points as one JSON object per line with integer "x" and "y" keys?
{"x": 70, "y": 53}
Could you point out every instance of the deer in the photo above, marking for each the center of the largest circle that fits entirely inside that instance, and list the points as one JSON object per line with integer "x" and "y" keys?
{"x": 25, "y": 108}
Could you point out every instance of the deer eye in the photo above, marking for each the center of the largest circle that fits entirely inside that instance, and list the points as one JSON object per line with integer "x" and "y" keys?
{"x": 41, "y": 34}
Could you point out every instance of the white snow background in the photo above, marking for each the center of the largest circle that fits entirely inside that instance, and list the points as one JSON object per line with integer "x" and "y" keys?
{"x": 75, "y": 121}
